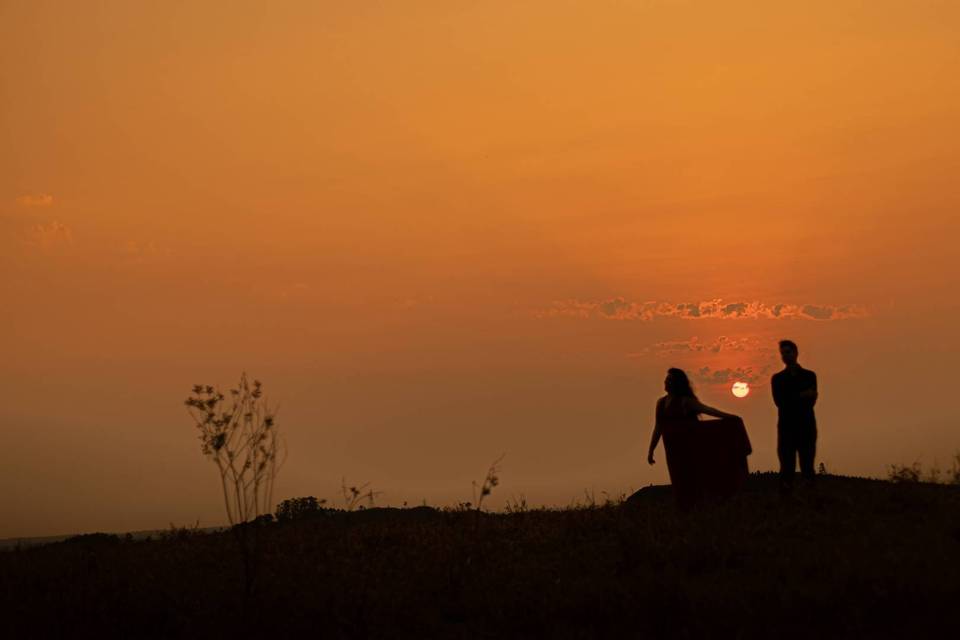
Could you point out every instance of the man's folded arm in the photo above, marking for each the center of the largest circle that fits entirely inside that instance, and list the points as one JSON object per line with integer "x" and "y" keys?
{"x": 810, "y": 393}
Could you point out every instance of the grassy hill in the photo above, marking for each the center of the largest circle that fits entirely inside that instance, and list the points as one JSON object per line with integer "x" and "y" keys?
{"x": 854, "y": 558}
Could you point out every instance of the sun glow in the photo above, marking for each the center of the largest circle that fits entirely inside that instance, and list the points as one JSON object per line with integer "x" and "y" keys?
{"x": 740, "y": 389}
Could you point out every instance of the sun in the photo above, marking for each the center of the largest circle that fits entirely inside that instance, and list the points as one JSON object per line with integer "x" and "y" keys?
{"x": 740, "y": 389}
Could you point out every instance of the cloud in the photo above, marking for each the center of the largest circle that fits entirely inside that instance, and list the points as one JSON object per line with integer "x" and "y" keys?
{"x": 615, "y": 308}
{"x": 48, "y": 236}
{"x": 39, "y": 200}
{"x": 619, "y": 308}
{"x": 729, "y": 375}
{"x": 820, "y": 313}
{"x": 696, "y": 352}
{"x": 694, "y": 345}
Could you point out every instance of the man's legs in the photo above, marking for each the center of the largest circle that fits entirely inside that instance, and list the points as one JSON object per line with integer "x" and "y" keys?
{"x": 807, "y": 448}
{"x": 787, "y": 452}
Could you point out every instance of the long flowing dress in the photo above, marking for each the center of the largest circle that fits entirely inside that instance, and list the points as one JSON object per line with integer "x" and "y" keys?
{"x": 706, "y": 459}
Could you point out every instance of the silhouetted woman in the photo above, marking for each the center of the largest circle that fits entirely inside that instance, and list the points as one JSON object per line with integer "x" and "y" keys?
{"x": 704, "y": 458}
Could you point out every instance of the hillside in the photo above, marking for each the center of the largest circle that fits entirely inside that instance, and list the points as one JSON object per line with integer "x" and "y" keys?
{"x": 854, "y": 558}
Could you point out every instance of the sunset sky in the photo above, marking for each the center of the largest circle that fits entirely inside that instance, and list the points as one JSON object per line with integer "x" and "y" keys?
{"x": 443, "y": 230}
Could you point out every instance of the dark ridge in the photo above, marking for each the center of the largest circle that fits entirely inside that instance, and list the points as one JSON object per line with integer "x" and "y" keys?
{"x": 846, "y": 558}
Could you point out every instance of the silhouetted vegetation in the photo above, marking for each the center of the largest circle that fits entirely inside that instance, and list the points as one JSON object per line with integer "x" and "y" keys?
{"x": 353, "y": 496}
{"x": 934, "y": 475}
{"x": 491, "y": 480}
{"x": 240, "y": 436}
{"x": 300, "y": 509}
{"x": 850, "y": 558}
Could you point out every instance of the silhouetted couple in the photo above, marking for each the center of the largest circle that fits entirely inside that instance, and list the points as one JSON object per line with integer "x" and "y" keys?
{"x": 708, "y": 458}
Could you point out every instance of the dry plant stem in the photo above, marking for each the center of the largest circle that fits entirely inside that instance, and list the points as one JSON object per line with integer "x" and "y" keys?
{"x": 489, "y": 482}
{"x": 223, "y": 483}
{"x": 241, "y": 438}
{"x": 353, "y": 495}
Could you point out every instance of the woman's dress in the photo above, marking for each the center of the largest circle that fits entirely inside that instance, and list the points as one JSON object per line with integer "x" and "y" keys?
{"x": 706, "y": 459}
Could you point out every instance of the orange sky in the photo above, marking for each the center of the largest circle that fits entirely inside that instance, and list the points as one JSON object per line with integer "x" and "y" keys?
{"x": 443, "y": 230}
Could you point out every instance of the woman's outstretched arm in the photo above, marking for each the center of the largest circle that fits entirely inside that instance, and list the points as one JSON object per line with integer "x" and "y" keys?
{"x": 716, "y": 413}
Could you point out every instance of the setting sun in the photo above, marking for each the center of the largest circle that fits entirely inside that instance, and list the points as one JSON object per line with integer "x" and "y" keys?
{"x": 740, "y": 389}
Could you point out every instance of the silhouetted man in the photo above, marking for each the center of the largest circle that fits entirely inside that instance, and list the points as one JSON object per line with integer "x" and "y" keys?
{"x": 795, "y": 393}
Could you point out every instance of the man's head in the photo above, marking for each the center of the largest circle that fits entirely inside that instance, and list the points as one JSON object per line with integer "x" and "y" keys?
{"x": 789, "y": 352}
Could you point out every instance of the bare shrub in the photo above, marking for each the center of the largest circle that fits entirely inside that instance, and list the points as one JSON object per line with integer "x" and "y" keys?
{"x": 175, "y": 533}
{"x": 353, "y": 496}
{"x": 517, "y": 505}
{"x": 590, "y": 500}
{"x": 932, "y": 475}
{"x": 903, "y": 473}
{"x": 240, "y": 436}
{"x": 489, "y": 482}
{"x": 953, "y": 473}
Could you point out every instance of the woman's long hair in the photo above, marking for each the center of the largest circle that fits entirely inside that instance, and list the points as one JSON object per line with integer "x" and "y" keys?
{"x": 678, "y": 384}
